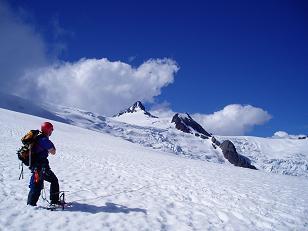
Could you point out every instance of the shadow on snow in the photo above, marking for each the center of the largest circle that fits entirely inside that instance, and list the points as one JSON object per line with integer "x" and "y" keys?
{"x": 108, "y": 208}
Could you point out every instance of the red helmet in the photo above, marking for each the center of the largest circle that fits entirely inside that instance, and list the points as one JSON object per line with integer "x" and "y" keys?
{"x": 46, "y": 128}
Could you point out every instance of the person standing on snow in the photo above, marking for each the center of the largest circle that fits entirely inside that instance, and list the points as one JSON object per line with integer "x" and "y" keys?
{"x": 40, "y": 168}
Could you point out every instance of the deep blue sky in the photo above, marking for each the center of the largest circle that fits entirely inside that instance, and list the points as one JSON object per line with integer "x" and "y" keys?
{"x": 245, "y": 52}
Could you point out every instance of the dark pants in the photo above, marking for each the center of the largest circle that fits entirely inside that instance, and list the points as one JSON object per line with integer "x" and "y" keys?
{"x": 35, "y": 188}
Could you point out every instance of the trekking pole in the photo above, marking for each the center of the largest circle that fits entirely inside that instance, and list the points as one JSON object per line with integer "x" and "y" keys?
{"x": 21, "y": 175}
{"x": 30, "y": 161}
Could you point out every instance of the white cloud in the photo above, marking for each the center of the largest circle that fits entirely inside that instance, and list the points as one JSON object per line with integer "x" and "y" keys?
{"x": 281, "y": 134}
{"x": 284, "y": 135}
{"x": 28, "y": 69}
{"x": 96, "y": 84}
{"x": 99, "y": 85}
{"x": 234, "y": 119}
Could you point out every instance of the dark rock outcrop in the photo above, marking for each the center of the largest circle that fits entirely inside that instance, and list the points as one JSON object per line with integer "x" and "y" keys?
{"x": 233, "y": 157}
{"x": 185, "y": 123}
{"x": 215, "y": 141}
{"x": 138, "y": 106}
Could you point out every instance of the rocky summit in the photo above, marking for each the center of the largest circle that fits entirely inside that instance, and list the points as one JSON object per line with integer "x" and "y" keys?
{"x": 185, "y": 123}
{"x": 137, "y": 106}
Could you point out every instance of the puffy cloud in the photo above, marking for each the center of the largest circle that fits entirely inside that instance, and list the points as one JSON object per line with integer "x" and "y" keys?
{"x": 28, "y": 69}
{"x": 99, "y": 85}
{"x": 283, "y": 135}
{"x": 234, "y": 119}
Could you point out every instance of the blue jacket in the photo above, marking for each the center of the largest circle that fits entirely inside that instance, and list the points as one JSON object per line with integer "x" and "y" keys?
{"x": 40, "y": 151}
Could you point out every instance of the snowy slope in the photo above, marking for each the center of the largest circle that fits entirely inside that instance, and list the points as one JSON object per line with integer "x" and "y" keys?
{"x": 282, "y": 156}
{"x": 117, "y": 185}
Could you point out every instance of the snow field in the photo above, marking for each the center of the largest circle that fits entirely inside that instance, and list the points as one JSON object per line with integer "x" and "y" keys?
{"x": 116, "y": 185}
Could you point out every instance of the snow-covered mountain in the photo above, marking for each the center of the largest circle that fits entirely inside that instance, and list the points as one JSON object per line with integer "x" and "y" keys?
{"x": 283, "y": 156}
{"x": 113, "y": 184}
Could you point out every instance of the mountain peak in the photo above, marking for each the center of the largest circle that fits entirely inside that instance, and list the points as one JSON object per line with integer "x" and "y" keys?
{"x": 137, "y": 106}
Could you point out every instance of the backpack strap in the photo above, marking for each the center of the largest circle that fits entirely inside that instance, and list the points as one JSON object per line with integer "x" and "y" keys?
{"x": 35, "y": 143}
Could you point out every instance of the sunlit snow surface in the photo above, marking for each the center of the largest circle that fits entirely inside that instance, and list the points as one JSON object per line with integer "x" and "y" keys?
{"x": 114, "y": 184}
